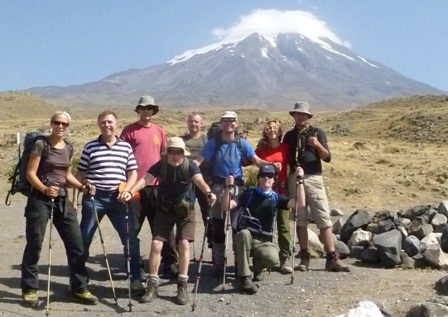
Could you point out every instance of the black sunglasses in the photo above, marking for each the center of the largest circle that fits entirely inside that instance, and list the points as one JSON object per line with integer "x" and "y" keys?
{"x": 64, "y": 124}
{"x": 175, "y": 152}
{"x": 228, "y": 120}
{"x": 145, "y": 107}
{"x": 268, "y": 175}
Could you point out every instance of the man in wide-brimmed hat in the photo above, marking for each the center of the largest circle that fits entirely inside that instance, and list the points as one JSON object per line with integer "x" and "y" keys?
{"x": 176, "y": 176}
{"x": 308, "y": 148}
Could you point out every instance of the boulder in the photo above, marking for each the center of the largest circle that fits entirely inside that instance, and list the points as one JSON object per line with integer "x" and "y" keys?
{"x": 444, "y": 241}
{"x": 359, "y": 219}
{"x": 356, "y": 251}
{"x": 421, "y": 231}
{"x": 411, "y": 245}
{"x": 315, "y": 247}
{"x": 443, "y": 208}
{"x": 441, "y": 228}
{"x": 414, "y": 212}
{"x": 438, "y": 219}
{"x": 336, "y": 212}
{"x": 420, "y": 262}
{"x": 385, "y": 225}
{"x": 441, "y": 286}
{"x": 370, "y": 255}
{"x": 406, "y": 223}
{"x": 428, "y": 309}
{"x": 408, "y": 263}
{"x": 435, "y": 257}
{"x": 430, "y": 239}
{"x": 403, "y": 231}
{"x": 342, "y": 249}
{"x": 363, "y": 309}
{"x": 389, "y": 247}
{"x": 360, "y": 237}
{"x": 337, "y": 226}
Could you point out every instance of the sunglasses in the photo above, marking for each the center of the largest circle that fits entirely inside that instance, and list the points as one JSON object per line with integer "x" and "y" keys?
{"x": 64, "y": 124}
{"x": 268, "y": 175}
{"x": 174, "y": 152}
{"x": 228, "y": 120}
{"x": 145, "y": 107}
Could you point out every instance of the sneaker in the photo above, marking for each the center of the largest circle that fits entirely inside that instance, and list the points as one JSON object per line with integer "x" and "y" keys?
{"x": 30, "y": 299}
{"x": 304, "y": 261}
{"x": 285, "y": 267}
{"x": 182, "y": 294}
{"x": 85, "y": 297}
{"x": 151, "y": 293}
{"x": 334, "y": 264}
{"x": 219, "y": 271}
{"x": 245, "y": 285}
{"x": 137, "y": 288}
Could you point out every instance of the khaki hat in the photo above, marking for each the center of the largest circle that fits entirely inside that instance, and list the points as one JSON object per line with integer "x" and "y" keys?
{"x": 147, "y": 101}
{"x": 229, "y": 115}
{"x": 302, "y": 107}
{"x": 178, "y": 143}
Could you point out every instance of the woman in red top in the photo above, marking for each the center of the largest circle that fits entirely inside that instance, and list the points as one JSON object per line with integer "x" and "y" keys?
{"x": 270, "y": 149}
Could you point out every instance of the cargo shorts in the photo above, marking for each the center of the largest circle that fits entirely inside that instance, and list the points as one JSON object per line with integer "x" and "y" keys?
{"x": 183, "y": 218}
{"x": 316, "y": 200}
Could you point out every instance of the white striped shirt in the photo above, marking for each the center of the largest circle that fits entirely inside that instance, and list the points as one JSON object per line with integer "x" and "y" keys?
{"x": 106, "y": 167}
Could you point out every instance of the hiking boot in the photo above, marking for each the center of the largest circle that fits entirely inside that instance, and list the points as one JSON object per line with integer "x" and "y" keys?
{"x": 285, "y": 267}
{"x": 245, "y": 285}
{"x": 334, "y": 264}
{"x": 304, "y": 264}
{"x": 85, "y": 297}
{"x": 258, "y": 276}
{"x": 182, "y": 294}
{"x": 30, "y": 299}
{"x": 170, "y": 271}
{"x": 151, "y": 293}
{"x": 219, "y": 271}
{"x": 137, "y": 288}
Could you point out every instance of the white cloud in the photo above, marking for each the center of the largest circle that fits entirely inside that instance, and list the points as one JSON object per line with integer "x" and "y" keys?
{"x": 272, "y": 22}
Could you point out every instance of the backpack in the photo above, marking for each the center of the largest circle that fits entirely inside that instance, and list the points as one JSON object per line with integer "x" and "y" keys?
{"x": 19, "y": 181}
{"x": 185, "y": 170}
{"x": 242, "y": 218}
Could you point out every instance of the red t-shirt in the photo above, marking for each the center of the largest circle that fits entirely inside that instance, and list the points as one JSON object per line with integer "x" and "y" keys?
{"x": 279, "y": 154}
{"x": 147, "y": 144}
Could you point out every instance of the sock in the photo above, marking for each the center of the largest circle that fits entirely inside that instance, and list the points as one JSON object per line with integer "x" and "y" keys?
{"x": 182, "y": 278}
{"x": 154, "y": 279}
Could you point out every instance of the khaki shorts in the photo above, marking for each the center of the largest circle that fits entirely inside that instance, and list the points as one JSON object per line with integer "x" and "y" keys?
{"x": 218, "y": 190}
{"x": 185, "y": 221}
{"x": 316, "y": 200}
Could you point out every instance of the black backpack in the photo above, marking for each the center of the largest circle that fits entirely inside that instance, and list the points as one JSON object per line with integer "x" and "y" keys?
{"x": 19, "y": 181}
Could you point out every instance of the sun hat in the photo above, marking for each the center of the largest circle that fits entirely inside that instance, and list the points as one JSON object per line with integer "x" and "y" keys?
{"x": 229, "y": 115}
{"x": 178, "y": 143}
{"x": 302, "y": 107}
{"x": 147, "y": 101}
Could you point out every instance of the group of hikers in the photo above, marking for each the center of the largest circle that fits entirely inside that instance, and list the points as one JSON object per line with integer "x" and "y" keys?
{"x": 141, "y": 174}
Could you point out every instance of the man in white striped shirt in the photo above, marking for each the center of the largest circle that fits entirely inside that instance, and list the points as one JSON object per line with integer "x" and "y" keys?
{"x": 106, "y": 162}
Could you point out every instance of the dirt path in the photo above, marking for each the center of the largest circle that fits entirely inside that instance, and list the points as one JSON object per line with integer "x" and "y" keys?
{"x": 315, "y": 293}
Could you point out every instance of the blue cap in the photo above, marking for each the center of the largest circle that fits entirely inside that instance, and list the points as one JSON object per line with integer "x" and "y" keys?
{"x": 266, "y": 169}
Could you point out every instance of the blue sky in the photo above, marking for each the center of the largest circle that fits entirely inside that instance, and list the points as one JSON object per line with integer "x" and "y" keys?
{"x": 66, "y": 42}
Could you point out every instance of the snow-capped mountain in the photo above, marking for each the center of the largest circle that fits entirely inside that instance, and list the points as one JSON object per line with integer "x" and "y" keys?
{"x": 256, "y": 71}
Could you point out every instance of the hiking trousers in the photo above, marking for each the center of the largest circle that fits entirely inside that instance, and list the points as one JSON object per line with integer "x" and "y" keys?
{"x": 264, "y": 253}
{"x": 284, "y": 233}
{"x": 37, "y": 214}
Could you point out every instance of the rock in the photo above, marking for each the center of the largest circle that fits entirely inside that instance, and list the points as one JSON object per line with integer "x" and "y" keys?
{"x": 441, "y": 228}
{"x": 439, "y": 300}
{"x": 363, "y": 309}
{"x": 430, "y": 239}
{"x": 421, "y": 231}
{"x": 420, "y": 262}
{"x": 315, "y": 247}
{"x": 359, "y": 219}
{"x": 360, "y": 237}
{"x": 444, "y": 241}
{"x": 406, "y": 223}
{"x": 337, "y": 226}
{"x": 373, "y": 227}
{"x": 370, "y": 255}
{"x": 428, "y": 309}
{"x": 443, "y": 208}
{"x": 411, "y": 245}
{"x": 385, "y": 225}
{"x": 438, "y": 219}
{"x": 435, "y": 257}
{"x": 441, "y": 286}
{"x": 414, "y": 212}
{"x": 403, "y": 231}
{"x": 389, "y": 247}
{"x": 408, "y": 263}
{"x": 342, "y": 249}
{"x": 336, "y": 212}
{"x": 356, "y": 251}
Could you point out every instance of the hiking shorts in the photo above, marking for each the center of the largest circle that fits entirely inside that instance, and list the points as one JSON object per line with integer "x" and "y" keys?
{"x": 316, "y": 200}
{"x": 164, "y": 221}
{"x": 218, "y": 190}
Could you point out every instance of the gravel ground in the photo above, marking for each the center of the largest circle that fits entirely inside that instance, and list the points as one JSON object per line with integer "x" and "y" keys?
{"x": 314, "y": 293}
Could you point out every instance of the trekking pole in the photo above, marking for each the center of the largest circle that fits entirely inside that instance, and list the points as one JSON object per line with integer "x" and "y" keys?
{"x": 296, "y": 208}
{"x": 50, "y": 246}
{"x": 104, "y": 248}
{"x": 227, "y": 230}
{"x": 128, "y": 257}
{"x": 201, "y": 258}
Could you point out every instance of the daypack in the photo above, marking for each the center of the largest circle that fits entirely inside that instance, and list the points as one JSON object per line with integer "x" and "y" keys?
{"x": 242, "y": 218}
{"x": 19, "y": 182}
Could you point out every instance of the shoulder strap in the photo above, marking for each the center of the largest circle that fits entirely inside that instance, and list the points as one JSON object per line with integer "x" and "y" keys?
{"x": 249, "y": 197}
{"x": 186, "y": 169}
{"x": 70, "y": 148}
{"x": 163, "y": 169}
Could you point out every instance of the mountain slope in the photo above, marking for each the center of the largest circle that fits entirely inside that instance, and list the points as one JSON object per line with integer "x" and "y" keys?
{"x": 257, "y": 71}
